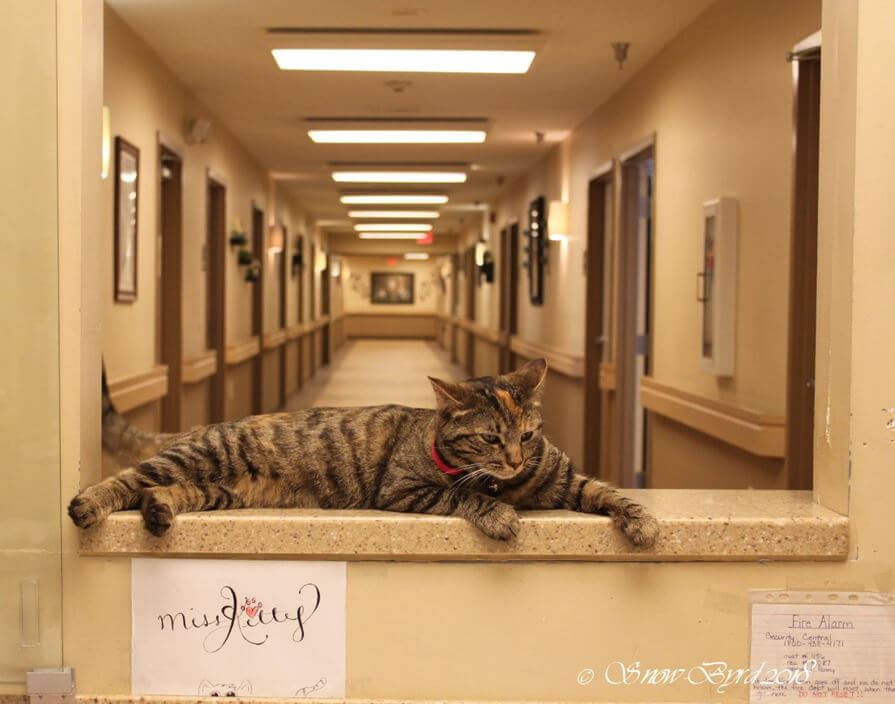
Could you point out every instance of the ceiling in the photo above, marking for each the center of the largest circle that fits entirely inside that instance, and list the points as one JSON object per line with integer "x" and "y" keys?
{"x": 221, "y": 50}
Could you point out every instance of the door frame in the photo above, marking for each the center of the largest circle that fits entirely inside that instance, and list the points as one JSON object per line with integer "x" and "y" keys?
{"x": 627, "y": 299}
{"x": 216, "y": 233}
{"x": 509, "y": 293}
{"x": 598, "y": 237}
{"x": 300, "y": 318}
{"x": 284, "y": 278}
{"x": 802, "y": 335}
{"x": 469, "y": 313}
{"x": 258, "y": 286}
{"x": 170, "y": 283}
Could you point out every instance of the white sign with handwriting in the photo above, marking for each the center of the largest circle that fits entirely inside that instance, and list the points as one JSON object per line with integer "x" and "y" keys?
{"x": 822, "y": 652}
{"x": 238, "y": 628}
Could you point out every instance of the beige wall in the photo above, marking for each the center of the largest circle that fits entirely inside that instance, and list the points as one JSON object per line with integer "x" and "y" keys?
{"x": 356, "y": 284}
{"x": 145, "y": 100}
{"x": 718, "y": 100}
{"x": 30, "y": 371}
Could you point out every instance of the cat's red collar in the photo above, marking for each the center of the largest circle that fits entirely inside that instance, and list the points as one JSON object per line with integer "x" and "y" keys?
{"x": 442, "y": 465}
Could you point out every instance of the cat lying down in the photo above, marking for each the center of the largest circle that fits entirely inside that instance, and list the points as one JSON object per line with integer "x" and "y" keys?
{"x": 479, "y": 455}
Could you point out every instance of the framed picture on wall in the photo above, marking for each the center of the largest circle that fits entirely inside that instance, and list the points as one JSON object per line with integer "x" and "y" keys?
{"x": 127, "y": 182}
{"x": 391, "y": 287}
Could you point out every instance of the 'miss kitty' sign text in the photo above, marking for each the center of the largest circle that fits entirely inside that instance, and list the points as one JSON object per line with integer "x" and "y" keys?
{"x": 238, "y": 628}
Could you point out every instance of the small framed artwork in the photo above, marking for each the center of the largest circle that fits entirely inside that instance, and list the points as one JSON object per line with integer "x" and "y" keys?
{"x": 127, "y": 189}
{"x": 391, "y": 287}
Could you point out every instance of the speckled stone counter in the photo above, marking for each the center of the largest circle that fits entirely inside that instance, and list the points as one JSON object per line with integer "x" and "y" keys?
{"x": 694, "y": 525}
{"x": 137, "y": 699}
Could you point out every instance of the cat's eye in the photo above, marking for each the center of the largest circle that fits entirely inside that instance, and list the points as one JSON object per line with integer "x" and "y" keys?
{"x": 527, "y": 436}
{"x": 491, "y": 439}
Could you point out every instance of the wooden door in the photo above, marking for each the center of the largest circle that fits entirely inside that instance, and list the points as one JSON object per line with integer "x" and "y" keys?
{"x": 595, "y": 334}
{"x": 216, "y": 313}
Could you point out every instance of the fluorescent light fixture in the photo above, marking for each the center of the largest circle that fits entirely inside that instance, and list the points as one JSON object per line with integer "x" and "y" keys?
{"x": 397, "y": 136}
{"x": 388, "y": 235}
{"x": 399, "y": 176}
{"x": 385, "y": 214}
{"x": 394, "y": 227}
{"x": 394, "y": 199}
{"x": 404, "y": 60}
{"x": 418, "y": 256}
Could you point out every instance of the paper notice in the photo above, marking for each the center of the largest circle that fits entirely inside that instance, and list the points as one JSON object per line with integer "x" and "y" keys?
{"x": 238, "y": 628}
{"x": 836, "y": 646}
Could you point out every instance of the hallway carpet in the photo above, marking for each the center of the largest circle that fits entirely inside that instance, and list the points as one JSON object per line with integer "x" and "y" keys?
{"x": 375, "y": 372}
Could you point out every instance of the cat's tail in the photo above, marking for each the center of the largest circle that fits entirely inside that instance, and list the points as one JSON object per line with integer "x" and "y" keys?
{"x": 127, "y": 444}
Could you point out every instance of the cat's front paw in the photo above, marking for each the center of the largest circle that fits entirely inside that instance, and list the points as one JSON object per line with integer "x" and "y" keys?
{"x": 84, "y": 512}
{"x": 500, "y": 523}
{"x": 641, "y": 530}
{"x": 157, "y": 516}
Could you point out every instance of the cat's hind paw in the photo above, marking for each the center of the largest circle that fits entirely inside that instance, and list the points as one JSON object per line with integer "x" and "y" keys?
{"x": 157, "y": 516}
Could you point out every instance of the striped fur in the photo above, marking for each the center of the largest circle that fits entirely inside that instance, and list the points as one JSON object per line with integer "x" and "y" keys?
{"x": 377, "y": 458}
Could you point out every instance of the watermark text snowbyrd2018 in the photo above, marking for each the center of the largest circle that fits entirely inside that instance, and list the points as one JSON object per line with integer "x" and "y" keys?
{"x": 717, "y": 673}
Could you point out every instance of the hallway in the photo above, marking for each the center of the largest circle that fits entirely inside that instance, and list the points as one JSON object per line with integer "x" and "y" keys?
{"x": 378, "y": 372}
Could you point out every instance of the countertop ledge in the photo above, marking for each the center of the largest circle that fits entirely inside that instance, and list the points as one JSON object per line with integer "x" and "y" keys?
{"x": 168, "y": 699}
{"x": 704, "y": 525}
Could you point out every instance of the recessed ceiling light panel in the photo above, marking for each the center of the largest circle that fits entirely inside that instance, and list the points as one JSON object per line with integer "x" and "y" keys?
{"x": 397, "y": 136}
{"x": 385, "y": 214}
{"x": 394, "y": 199}
{"x": 404, "y": 60}
{"x": 388, "y": 235}
{"x": 394, "y": 227}
{"x": 399, "y": 176}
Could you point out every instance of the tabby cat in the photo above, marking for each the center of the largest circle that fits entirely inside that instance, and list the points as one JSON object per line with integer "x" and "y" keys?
{"x": 479, "y": 455}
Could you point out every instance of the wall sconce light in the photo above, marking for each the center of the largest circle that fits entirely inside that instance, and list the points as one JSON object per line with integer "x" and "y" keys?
{"x": 275, "y": 240}
{"x": 335, "y": 268}
{"x": 558, "y": 221}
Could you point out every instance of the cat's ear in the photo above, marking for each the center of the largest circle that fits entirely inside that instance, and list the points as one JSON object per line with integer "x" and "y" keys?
{"x": 529, "y": 378}
{"x": 205, "y": 687}
{"x": 244, "y": 689}
{"x": 448, "y": 394}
